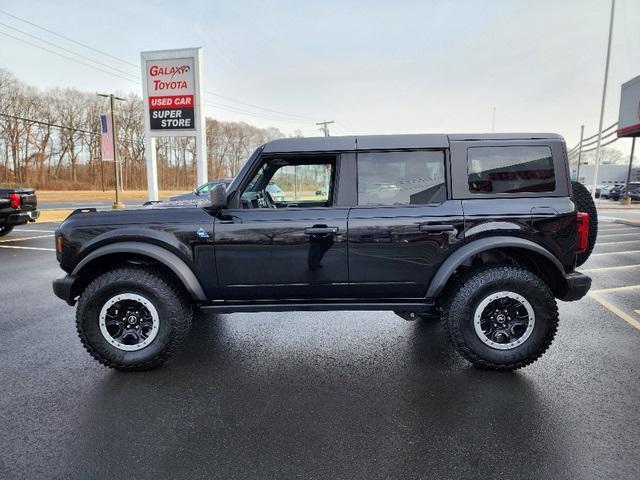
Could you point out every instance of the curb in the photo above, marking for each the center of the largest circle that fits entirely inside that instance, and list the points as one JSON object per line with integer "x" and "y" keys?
{"x": 53, "y": 215}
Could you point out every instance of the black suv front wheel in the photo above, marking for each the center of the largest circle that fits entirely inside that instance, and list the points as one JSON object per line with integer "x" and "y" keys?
{"x": 131, "y": 318}
{"x": 501, "y": 317}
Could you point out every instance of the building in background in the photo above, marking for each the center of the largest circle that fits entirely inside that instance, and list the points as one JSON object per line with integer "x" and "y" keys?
{"x": 607, "y": 174}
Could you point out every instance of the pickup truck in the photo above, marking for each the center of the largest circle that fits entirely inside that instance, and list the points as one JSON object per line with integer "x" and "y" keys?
{"x": 485, "y": 231}
{"x": 17, "y": 207}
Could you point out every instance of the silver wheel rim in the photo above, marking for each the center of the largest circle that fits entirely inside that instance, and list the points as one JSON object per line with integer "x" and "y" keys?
{"x": 129, "y": 322}
{"x": 504, "y": 320}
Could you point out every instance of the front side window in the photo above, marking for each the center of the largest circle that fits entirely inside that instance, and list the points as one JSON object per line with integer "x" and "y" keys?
{"x": 512, "y": 169}
{"x": 291, "y": 182}
{"x": 401, "y": 178}
{"x": 301, "y": 183}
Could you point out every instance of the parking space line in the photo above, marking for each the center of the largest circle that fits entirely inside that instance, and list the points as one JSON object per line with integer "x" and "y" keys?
{"x": 617, "y": 220}
{"x": 615, "y": 253}
{"x": 29, "y": 248}
{"x": 602, "y": 269}
{"x": 613, "y": 309}
{"x": 616, "y": 243}
{"x": 609, "y": 230}
{"x": 32, "y": 230}
{"x": 616, "y": 289}
{"x": 24, "y": 238}
{"x": 619, "y": 234}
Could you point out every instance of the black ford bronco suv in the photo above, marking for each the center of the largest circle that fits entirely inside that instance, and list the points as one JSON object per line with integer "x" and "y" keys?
{"x": 485, "y": 231}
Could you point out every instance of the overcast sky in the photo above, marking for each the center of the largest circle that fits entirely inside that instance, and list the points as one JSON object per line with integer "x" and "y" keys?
{"x": 374, "y": 67}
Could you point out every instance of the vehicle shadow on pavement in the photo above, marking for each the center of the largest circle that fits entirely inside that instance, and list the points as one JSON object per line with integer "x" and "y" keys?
{"x": 252, "y": 399}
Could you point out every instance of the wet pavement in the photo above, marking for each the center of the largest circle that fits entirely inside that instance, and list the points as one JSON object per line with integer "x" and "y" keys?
{"x": 319, "y": 395}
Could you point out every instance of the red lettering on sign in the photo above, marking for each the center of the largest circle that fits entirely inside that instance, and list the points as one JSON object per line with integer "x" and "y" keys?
{"x": 172, "y": 101}
{"x": 156, "y": 70}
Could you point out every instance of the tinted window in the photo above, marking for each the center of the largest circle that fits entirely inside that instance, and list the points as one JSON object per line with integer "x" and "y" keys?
{"x": 510, "y": 170}
{"x": 400, "y": 178}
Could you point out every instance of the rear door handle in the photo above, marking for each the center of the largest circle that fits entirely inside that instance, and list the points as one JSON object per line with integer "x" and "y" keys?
{"x": 321, "y": 231}
{"x": 437, "y": 228}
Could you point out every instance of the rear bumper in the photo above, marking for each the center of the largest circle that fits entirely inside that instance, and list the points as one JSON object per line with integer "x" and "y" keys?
{"x": 22, "y": 218}
{"x": 578, "y": 284}
{"x": 63, "y": 288}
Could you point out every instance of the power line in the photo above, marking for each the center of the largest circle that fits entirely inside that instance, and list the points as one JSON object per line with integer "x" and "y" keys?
{"x": 137, "y": 77}
{"x": 251, "y": 114}
{"x": 67, "y": 50}
{"x": 68, "y": 39}
{"x": 66, "y": 57}
{"x": 30, "y": 120}
{"x": 226, "y": 108}
{"x": 259, "y": 107}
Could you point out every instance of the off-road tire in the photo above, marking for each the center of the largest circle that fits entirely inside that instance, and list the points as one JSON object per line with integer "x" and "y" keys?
{"x": 584, "y": 203}
{"x": 174, "y": 310}
{"x": 460, "y": 305}
{"x": 5, "y": 230}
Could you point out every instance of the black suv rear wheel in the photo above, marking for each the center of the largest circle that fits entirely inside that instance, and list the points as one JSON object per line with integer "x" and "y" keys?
{"x": 501, "y": 317}
{"x": 131, "y": 318}
{"x": 5, "y": 230}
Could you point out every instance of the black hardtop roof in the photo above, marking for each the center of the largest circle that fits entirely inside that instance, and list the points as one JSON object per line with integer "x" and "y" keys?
{"x": 389, "y": 142}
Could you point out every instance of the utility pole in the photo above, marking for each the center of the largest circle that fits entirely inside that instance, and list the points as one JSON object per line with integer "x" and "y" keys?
{"x": 580, "y": 153}
{"x": 604, "y": 95}
{"x": 112, "y": 102}
{"x": 324, "y": 127}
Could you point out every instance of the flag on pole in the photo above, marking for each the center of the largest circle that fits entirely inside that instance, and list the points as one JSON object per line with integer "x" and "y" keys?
{"x": 106, "y": 137}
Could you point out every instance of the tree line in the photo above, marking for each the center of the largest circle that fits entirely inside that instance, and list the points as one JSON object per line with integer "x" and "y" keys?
{"x": 62, "y": 150}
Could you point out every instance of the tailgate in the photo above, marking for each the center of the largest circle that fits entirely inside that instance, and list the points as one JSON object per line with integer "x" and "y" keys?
{"x": 28, "y": 200}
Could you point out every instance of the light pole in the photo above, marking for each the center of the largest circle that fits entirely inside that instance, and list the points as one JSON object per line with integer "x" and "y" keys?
{"x": 112, "y": 102}
{"x": 604, "y": 95}
{"x": 580, "y": 153}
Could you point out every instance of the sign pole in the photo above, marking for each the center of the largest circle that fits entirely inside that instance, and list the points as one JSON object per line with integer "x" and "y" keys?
{"x": 633, "y": 147}
{"x": 152, "y": 167}
{"x": 201, "y": 125}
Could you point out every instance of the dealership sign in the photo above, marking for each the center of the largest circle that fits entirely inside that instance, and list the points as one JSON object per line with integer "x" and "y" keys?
{"x": 629, "y": 116}
{"x": 171, "y": 93}
{"x": 172, "y": 87}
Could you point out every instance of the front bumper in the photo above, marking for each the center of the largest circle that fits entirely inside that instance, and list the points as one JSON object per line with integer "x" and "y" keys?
{"x": 577, "y": 286}
{"x": 63, "y": 288}
{"x": 22, "y": 217}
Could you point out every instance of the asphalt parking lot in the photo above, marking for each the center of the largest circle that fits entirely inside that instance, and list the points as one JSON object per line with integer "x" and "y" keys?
{"x": 320, "y": 395}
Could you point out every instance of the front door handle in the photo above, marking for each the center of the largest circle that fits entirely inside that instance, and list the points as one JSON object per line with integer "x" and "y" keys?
{"x": 321, "y": 231}
{"x": 437, "y": 228}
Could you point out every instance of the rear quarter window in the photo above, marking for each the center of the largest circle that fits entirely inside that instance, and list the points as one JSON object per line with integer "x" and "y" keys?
{"x": 510, "y": 169}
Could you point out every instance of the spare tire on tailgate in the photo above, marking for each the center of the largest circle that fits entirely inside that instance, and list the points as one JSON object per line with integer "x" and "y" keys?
{"x": 584, "y": 203}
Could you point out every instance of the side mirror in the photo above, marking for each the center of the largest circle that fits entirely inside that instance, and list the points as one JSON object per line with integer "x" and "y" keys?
{"x": 218, "y": 196}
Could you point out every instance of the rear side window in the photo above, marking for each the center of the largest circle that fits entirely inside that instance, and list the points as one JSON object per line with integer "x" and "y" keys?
{"x": 401, "y": 178}
{"x": 513, "y": 169}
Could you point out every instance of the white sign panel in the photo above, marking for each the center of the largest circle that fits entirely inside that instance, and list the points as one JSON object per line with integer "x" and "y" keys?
{"x": 171, "y": 94}
{"x": 172, "y": 84}
{"x": 629, "y": 117}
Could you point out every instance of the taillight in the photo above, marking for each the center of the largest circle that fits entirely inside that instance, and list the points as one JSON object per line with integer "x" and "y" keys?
{"x": 14, "y": 200}
{"x": 583, "y": 232}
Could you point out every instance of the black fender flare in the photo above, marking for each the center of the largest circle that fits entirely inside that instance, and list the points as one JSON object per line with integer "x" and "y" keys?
{"x": 162, "y": 255}
{"x": 467, "y": 251}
